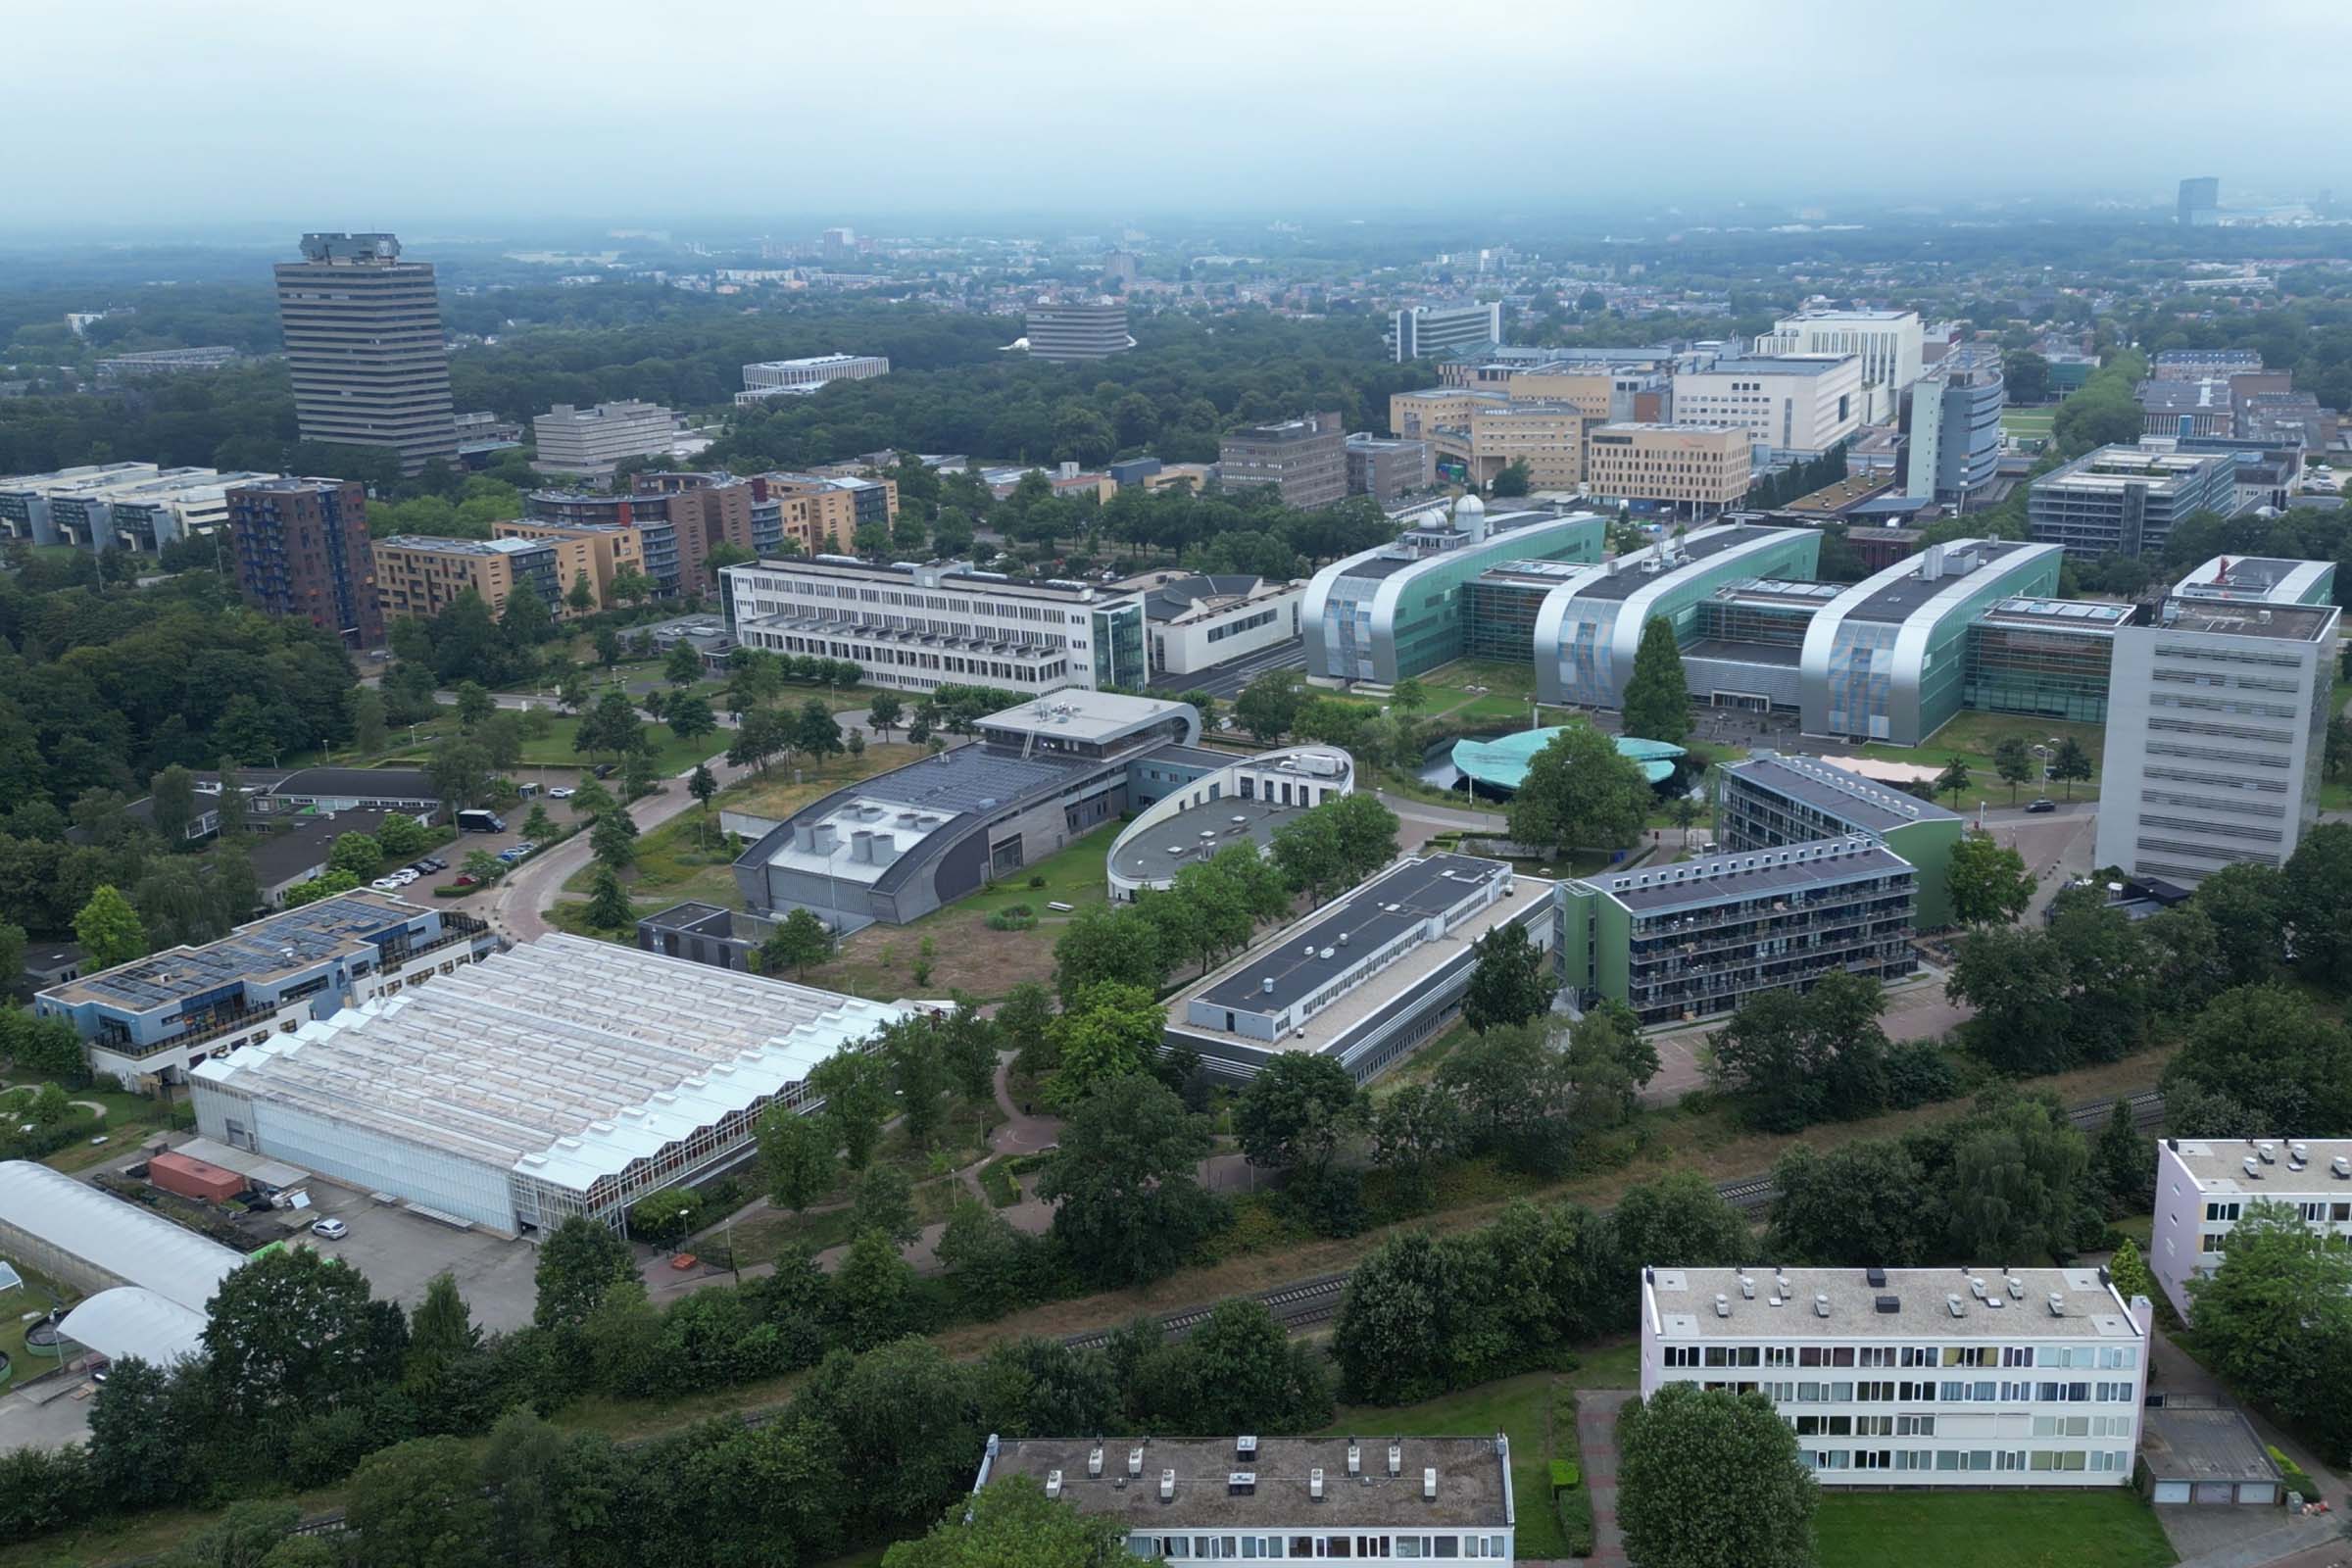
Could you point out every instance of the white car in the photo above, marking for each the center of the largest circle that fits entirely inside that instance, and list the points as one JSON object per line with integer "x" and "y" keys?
{"x": 386, "y": 884}
{"x": 559, "y": 794}
{"x": 404, "y": 877}
{"x": 334, "y": 1229}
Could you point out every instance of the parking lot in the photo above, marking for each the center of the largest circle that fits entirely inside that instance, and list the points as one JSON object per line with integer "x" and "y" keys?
{"x": 400, "y": 1253}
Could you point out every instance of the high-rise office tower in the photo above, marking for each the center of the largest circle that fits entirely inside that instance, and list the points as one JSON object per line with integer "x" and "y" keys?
{"x": 302, "y": 549}
{"x": 2200, "y": 201}
{"x": 1059, "y": 332}
{"x": 363, "y": 344}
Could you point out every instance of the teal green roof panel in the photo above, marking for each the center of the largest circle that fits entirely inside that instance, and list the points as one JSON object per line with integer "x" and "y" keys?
{"x": 1502, "y": 762}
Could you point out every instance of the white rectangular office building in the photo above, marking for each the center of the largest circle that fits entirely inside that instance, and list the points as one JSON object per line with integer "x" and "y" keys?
{"x": 915, "y": 627}
{"x": 1798, "y": 404}
{"x": 593, "y": 442}
{"x": 1917, "y": 1377}
{"x": 1890, "y": 344}
{"x": 2217, "y": 734}
{"x": 2205, "y": 1185}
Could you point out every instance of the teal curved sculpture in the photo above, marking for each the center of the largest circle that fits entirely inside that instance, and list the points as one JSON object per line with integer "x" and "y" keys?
{"x": 1501, "y": 763}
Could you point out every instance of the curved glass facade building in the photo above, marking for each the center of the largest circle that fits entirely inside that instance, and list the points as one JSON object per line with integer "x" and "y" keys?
{"x": 1888, "y": 658}
{"x": 1589, "y": 627}
{"x": 1399, "y": 610}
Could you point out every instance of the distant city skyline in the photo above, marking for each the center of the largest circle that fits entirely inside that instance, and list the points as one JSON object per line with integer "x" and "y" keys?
{"x": 1246, "y": 108}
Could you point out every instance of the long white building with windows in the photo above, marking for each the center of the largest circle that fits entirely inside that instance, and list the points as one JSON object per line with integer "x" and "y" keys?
{"x": 1919, "y": 1376}
{"x": 2204, "y": 1186}
{"x": 918, "y": 626}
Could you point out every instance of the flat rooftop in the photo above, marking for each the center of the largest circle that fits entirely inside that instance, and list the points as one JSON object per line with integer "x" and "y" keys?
{"x": 2219, "y": 1164}
{"x": 1682, "y": 1302}
{"x": 2295, "y": 623}
{"x": 1401, "y": 556}
{"x": 1781, "y": 655}
{"x": 1076, "y": 713}
{"x": 2058, "y": 615}
{"x": 284, "y": 944}
{"x": 2264, "y": 579}
{"x": 1863, "y": 805}
{"x": 564, "y": 1059}
{"x": 1777, "y": 364}
{"x": 2110, "y": 468}
{"x": 1471, "y": 1480}
{"x": 953, "y": 575}
{"x": 1750, "y": 873}
{"x": 1375, "y": 913}
{"x": 434, "y": 545}
{"x": 2188, "y": 1443}
{"x": 1198, "y": 832}
{"x": 1900, "y": 597}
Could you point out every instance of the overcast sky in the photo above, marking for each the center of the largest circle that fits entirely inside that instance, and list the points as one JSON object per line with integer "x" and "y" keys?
{"x": 330, "y": 113}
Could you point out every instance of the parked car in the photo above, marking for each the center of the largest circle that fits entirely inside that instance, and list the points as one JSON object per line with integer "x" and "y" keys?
{"x": 463, "y": 880}
{"x": 387, "y": 884}
{"x": 2041, "y": 803}
{"x": 558, "y": 793}
{"x": 434, "y": 862}
{"x": 405, "y": 875}
{"x": 334, "y": 1229}
{"x": 604, "y": 770}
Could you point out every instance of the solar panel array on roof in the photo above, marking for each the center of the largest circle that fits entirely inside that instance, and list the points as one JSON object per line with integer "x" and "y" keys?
{"x": 312, "y": 934}
{"x": 970, "y": 778}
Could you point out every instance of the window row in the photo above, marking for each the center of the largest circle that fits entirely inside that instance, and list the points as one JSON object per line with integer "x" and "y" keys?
{"x": 1231, "y": 1549}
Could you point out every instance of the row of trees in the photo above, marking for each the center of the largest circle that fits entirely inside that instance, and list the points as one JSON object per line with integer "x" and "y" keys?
{"x": 308, "y": 1377}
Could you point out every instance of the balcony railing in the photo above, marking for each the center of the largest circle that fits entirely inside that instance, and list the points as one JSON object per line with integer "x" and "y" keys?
{"x": 464, "y": 929}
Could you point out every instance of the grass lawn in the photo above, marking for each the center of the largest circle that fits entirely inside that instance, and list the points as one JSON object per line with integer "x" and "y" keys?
{"x": 1533, "y": 1409}
{"x": 1972, "y": 738}
{"x": 964, "y": 954}
{"x": 672, "y": 756}
{"x": 127, "y": 1119}
{"x": 683, "y": 859}
{"x": 2107, "y": 1527}
{"x": 2028, "y": 421}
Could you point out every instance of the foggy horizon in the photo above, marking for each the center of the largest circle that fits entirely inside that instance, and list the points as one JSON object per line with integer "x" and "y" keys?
{"x": 269, "y": 117}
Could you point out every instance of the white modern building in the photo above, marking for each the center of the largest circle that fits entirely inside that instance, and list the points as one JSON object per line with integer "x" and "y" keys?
{"x": 802, "y": 377}
{"x": 1800, "y": 405}
{"x": 1240, "y": 802}
{"x": 1425, "y": 332}
{"x": 1917, "y": 1377}
{"x": 592, "y": 442}
{"x": 916, "y": 626}
{"x": 1890, "y": 344}
{"x": 2217, "y": 733}
{"x": 131, "y": 505}
{"x": 2205, "y": 1185}
{"x": 564, "y": 1077}
{"x": 1367, "y": 978}
{"x": 1222, "y": 1500}
{"x": 1198, "y": 623}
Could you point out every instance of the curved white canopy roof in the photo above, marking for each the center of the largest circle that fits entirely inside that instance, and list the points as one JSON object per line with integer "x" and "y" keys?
{"x": 130, "y": 1320}
{"x": 121, "y": 1238}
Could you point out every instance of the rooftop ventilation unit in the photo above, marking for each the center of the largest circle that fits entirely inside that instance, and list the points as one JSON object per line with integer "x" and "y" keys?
{"x": 1167, "y": 1486}
{"x": 1888, "y": 1304}
{"x": 1959, "y": 1308}
{"x": 2340, "y": 1168}
{"x": 2298, "y": 1151}
{"x": 1356, "y": 1458}
{"x": 1240, "y": 1483}
{"x": 1395, "y": 1458}
{"x": 1747, "y": 1287}
{"x": 1054, "y": 1484}
{"x": 2253, "y": 1168}
{"x": 2057, "y": 1305}
{"x": 1094, "y": 1460}
{"x": 1874, "y": 1277}
{"x": 1975, "y": 1286}
{"x": 1429, "y": 1482}
{"x": 1245, "y": 1447}
{"x": 2268, "y": 1152}
{"x": 1723, "y": 1305}
{"x": 1314, "y": 1484}
{"x": 1821, "y": 1305}
{"x": 1135, "y": 1460}
{"x": 2017, "y": 1288}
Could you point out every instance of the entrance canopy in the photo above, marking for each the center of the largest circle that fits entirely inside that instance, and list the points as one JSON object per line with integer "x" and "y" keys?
{"x": 1502, "y": 764}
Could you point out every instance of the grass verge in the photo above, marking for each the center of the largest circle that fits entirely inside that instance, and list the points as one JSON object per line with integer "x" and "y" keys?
{"x": 2104, "y": 1528}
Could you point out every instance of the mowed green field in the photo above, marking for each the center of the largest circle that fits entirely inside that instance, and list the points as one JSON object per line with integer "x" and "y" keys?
{"x": 2106, "y": 1528}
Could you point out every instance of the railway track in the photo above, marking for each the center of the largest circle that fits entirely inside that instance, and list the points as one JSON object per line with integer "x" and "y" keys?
{"x": 1304, "y": 1302}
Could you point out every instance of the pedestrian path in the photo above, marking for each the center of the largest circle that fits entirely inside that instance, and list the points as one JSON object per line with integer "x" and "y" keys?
{"x": 1596, "y": 1446}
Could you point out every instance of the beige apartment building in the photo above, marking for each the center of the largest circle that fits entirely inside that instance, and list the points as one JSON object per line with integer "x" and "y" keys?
{"x": 821, "y": 515}
{"x": 1699, "y": 471}
{"x": 612, "y": 548}
{"x": 1417, "y": 416}
{"x": 419, "y": 575}
{"x": 1549, "y": 437}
